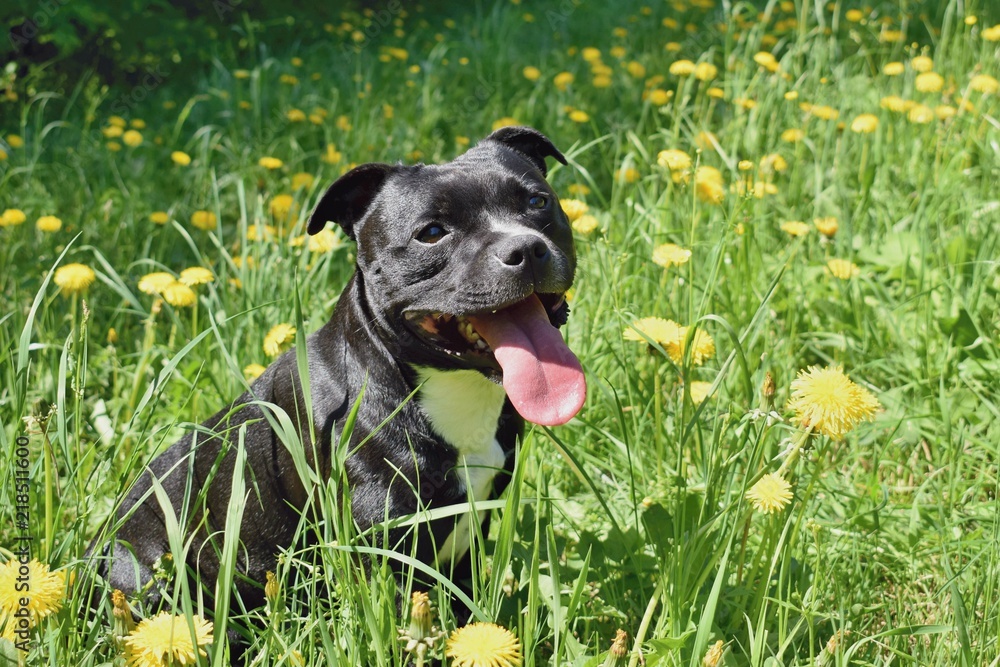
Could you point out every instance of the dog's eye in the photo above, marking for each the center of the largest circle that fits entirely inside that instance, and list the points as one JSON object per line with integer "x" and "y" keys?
{"x": 538, "y": 201}
{"x": 432, "y": 233}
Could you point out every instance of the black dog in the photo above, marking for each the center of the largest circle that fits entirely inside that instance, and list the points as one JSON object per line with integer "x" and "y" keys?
{"x": 459, "y": 289}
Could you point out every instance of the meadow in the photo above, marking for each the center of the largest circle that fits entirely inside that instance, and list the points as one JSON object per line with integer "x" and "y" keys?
{"x": 786, "y": 216}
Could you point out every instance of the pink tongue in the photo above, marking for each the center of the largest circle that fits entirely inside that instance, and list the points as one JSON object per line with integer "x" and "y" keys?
{"x": 542, "y": 377}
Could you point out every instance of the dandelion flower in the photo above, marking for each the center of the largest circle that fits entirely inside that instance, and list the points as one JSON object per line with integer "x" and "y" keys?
{"x": 585, "y": 224}
{"x": 699, "y": 391}
{"x": 627, "y": 174}
{"x": 824, "y": 112}
{"x": 179, "y": 295}
{"x": 771, "y": 493}
{"x": 331, "y": 155}
{"x": 992, "y": 34}
{"x": 674, "y": 159}
{"x": 920, "y": 114}
{"x": 48, "y": 223}
{"x": 708, "y": 185}
{"x": 279, "y": 336}
{"x": 574, "y": 208}
{"x": 112, "y": 132}
{"x": 773, "y": 162}
{"x": 295, "y": 116}
{"x": 205, "y": 220}
{"x": 682, "y": 68}
{"x": 12, "y": 217}
{"x": 270, "y": 163}
{"x": 159, "y": 217}
{"x": 47, "y": 588}
{"x": 842, "y": 269}
{"x": 984, "y": 83}
{"x": 866, "y": 123}
{"x": 893, "y": 69}
{"x": 196, "y": 275}
{"x": 531, "y": 73}
{"x": 637, "y": 70}
{"x": 715, "y": 651}
{"x": 132, "y": 138}
{"x": 793, "y": 135}
{"x": 670, "y": 254}
{"x": 165, "y": 640}
{"x": 282, "y": 207}
{"x": 929, "y": 82}
{"x": 180, "y": 158}
{"x": 659, "y": 97}
{"x": 302, "y": 180}
{"x": 155, "y": 283}
{"x": 827, "y": 226}
{"x": 703, "y": 347}
{"x": 74, "y": 278}
{"x": 579, "y": 116}
{"x": 506, "y": 121}
{"x": 562, "y": 80}
{"x": 656, "y": 329}
{"x": 766, "y": 60}
{"x": 253, "y": 371}
{"x": 705, "y": 71}
{"x": 15, "y": 140}
{"x": 324, "y": 241}
{"x": 922, "y": 64}
{"x": 795, "y": 228}
{"x": 484, "y": 645}
{"x": 829, "y": 402}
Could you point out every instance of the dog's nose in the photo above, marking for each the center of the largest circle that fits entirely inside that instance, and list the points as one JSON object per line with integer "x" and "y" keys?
{"x": 525, "y": 251}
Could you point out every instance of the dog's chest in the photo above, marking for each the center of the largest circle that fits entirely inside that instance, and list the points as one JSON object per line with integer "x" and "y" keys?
{"x": 463, "y": 408}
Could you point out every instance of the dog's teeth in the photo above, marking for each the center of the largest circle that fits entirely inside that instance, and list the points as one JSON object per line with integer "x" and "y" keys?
{"x": 481, "y": 345}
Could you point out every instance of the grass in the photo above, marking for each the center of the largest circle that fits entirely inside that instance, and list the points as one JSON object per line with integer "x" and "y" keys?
{"x": 634, "y": 515}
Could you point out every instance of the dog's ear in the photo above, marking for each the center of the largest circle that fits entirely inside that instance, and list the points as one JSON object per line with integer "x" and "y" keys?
{"x": 347, "y": 200}
{"x": 530, "y": 143}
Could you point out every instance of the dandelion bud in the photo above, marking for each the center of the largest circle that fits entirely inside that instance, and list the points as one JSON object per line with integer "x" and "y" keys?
{"x": 420, "y": 615}
{"x": 123, "y": 621}
{"x": 271, "y": 589}
{"x": 714, "y": 654}
{"x": 112, "y": 336}
{"x": 618, "y": 651}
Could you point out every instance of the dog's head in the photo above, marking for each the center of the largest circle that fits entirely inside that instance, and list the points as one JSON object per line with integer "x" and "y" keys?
{"x": 466, "y": 265}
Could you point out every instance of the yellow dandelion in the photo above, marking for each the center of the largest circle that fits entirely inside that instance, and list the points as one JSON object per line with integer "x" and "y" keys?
{"x": 773, "y": 162}
{"x": 159, "y": 217}
{"x": 270, "y": 162}
{"x": 132, "y": 138}
{"x": 15, "y": 140}
{"x": 854, "y": 15}
{"x": 282, "y": 207}
{"x": 112, "y": 132}
{"x": 654, "y": 329}
{"x": 627, "y": 174}
{"x": 985, "y": 84}
{"x": 562, "y": 80}
{"x": 506, "y": 121}
{"x": 699, "y": 391}
{"x": 706, "y": 141}
{"x": 241, "y": 73}
{"x": 331, "y": 155}
{"x": 117, "y": 121}
{"x": 277, "y": 338}
{"x": 578, "y": 189}
{"x": 929, "y": 82}
{"x": 829, "y": 402}
{"x": 295, "y": 115}
{"x": 47, "y": 588}
{"x": 253, "y": 371}
{"x": 670, "y": 254}
{"x": 771, "y": 493}
{"x": 636, "y": 69}
{"x": 531, "y": 73}
{"x": 659, "y": 97}
{"x": 165, "y": 640}
{"x": 893, "y": 69}
{"x": 12, "y": 217}
{"x": 922, "y": 64}
{"x": 702, "y": 347}
{"x": 708, "y": 185}
{"x": 682, "y": 68}
{"x": 766, "y": 60}
{"x": 895, "y": 103}
{"x": 196, "y": 275}
{"x": 179, "y": 295}
{"x": 324, "y": 241}
{"x": 574, "y": 208}
{"x": 673, "y": 159}
{"x": 585, "y": 224}
{"x": 744, "y": 165}
{"x": 824, "y": 112}
{"x": 260, "y": 232}
{"x": 705, "y": 71}
{"x": 795, "y": 228}
{"x": 205, "y": 220}
{"x": 48, "y": 223}
{"x": 945, "y": 111}
{"x": 865, "y": 123}
{"x": 155, "y": 283}
{"x": 302, "y": 180}
{"x": 827, "y": 226}
{"x": 992, "y": 34}
{"x": 920, "y": 114}
{"x": 74, "y": 278}
{"x": 715, "y": 93}
{"x": 579, "y": 116}
{"x": 842, "y": 269}
{"x": 484, "y": 645}
{"x": 793, "y": 135}
{"x": 715, "y": 651}
{"x": 180, "y": 158}
{"x": 892, "y": 36}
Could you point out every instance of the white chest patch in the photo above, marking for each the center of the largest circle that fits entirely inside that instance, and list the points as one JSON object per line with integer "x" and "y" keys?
{"x": 463, "y": 408}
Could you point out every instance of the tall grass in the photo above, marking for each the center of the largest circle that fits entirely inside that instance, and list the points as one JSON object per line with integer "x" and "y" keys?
{"x": 634, "y": 515}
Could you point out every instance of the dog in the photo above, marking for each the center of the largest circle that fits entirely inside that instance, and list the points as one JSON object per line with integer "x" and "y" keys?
{"x": 458, "y": 291}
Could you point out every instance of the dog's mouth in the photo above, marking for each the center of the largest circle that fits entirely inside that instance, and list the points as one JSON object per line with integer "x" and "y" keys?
{"x": 456, "y": 335}
{"x": 542, "y": 377}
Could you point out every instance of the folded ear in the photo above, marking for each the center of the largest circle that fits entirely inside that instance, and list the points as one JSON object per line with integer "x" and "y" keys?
{"x": 530, "y": 143}
{"x": 347, "y": 200}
